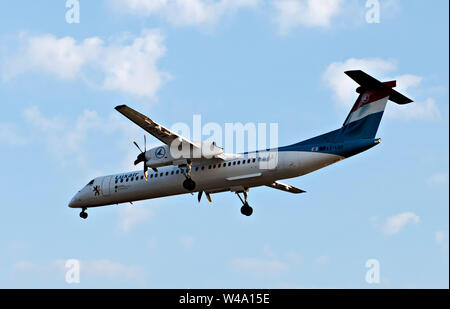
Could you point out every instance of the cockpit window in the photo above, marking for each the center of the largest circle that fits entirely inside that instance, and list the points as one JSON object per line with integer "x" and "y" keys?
{"x": 91, "y": 182}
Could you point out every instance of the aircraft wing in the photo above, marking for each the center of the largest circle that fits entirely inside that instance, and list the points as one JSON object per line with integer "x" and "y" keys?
{"x": 284, "y": 187}
{"x": 160, "y": 132}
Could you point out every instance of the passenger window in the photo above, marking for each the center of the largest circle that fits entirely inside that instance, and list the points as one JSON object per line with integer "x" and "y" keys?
{"x": 254, "y": 160}
{"x": 229, "y": 163}
{"x": 234, "y": 163}
{"x": 156, "y": 175}
{"x": 224, "y": 165}
{"x": 203, "y": 168}
{"x": 151, "y": 175}
{"x": 171, "y": 173}
{"x": 161, "y": 174}
{"x": 248, "y": 161}
{"x": 239, "y": 162}
{"x": 209, "y": 167}
{"x": 115, "y": 181}
{"x": 126, "y": 180}
{"x": 121, "y": 180}
{"x": 243, "y": 161}
{"x": 178, "y": 171}
{"x": 167, "y": 173}
{"x": 196, "y": 169}
{"x": 214, "y": 166}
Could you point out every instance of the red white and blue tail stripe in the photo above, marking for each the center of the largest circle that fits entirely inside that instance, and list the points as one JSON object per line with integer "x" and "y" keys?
{"x": 365, "y": 116}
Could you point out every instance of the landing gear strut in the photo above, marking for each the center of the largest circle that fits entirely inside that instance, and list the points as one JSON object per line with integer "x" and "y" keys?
{"x": 83, "y": 214}
{"x": 188, "y": 184}
{"x": 246, "y": 210}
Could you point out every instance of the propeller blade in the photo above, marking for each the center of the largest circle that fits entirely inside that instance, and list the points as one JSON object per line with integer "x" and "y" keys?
{"x": 145, "y": 171}
{"x": 134, "y": 142}
{"x": 200, "y": 195}
{"x": 145, "y": 143}
{"x": 208, "y": 197}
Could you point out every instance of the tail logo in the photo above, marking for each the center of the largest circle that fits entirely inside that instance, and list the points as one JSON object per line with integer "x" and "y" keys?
{"x": 365, "y": 98}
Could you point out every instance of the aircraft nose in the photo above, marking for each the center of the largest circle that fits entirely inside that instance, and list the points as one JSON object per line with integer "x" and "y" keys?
{"x": 75, "y": 201}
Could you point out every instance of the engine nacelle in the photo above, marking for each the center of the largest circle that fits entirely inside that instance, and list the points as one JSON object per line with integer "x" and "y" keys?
{"x": 181, "y": 153}
{"x": 158, "y": 156}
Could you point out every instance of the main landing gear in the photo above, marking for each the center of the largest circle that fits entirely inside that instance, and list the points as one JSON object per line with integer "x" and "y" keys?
{"x": 246, "y": 210}
{"x": 83, "y": 214}
{"x": 188, "y": 183}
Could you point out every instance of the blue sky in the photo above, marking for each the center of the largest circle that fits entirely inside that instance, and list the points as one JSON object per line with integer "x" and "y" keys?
{"x": 229, "y": 61}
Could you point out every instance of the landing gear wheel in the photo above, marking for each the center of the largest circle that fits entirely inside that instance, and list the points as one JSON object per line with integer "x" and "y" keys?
{"x": 83, "y": 214}
{"x": 246, "y": 210}
{"x": 189, "y": 184}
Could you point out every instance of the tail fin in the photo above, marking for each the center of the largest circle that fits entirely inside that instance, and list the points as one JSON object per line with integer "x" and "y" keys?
{"x": 365, "y": 116}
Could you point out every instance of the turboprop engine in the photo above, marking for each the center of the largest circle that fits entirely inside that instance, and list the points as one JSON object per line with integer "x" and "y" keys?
{"x": 178, "y": 153}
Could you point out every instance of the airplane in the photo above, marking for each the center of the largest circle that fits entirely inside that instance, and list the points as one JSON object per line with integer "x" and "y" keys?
{"x": 204, "y": 168}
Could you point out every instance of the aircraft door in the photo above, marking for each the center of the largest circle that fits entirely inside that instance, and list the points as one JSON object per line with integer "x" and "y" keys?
{"x": 106, "y": 189}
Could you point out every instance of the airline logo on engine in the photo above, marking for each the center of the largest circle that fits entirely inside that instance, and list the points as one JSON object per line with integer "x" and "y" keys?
{"x": 160, "y": 152}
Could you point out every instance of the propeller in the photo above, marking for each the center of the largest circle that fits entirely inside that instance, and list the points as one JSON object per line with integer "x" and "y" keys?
{"x": 208, "y": 197}
{"x": 141, "y": 157}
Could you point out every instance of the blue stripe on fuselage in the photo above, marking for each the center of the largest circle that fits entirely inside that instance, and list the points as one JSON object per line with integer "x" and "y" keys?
{"x": 344, "y": 149}
{"x": 346, "y": 141}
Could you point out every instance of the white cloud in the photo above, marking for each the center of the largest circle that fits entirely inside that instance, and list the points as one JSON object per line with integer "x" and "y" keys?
{"x": 127, "y": 65}
{"x": 344, "y": 87}
{"x": 395, "y": 224}
{"x": 187, "y": 241}
{"x": 130, "y": 216}
{"x": 23, "y": 266}
{"x": 34, "y": 116}
{"x": 102, "y": 268}
{"x": 424, "y": 110}
{"x": 182, "y": 13}
{"x": 440, "y": 237}
{"x": 308, "y": 13}
{"x": 438, "y": 178}
{"x": 259, "y": 266}
{"x": 105, "y": 268}
{"x": 322, "y": 260}
{"x": 9, "y": 134}
{"x": 67, "y": 141}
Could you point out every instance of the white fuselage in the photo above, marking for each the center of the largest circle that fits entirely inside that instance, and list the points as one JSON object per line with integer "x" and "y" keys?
{"x": 237, "y": 173}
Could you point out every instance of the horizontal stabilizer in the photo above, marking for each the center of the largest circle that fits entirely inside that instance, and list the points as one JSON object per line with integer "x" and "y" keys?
{"x": 367, "y": 82}
{"x": 399, "y": 98}
{"x": 284, "y": 187}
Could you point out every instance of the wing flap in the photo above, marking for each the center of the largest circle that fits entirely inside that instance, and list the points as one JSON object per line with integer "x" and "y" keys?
{"x": 285, "y": 187}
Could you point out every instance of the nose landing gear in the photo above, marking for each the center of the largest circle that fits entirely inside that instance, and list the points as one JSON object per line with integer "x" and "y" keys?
{"x": 83, "y": 214}
{"x": 246, "y": 210}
